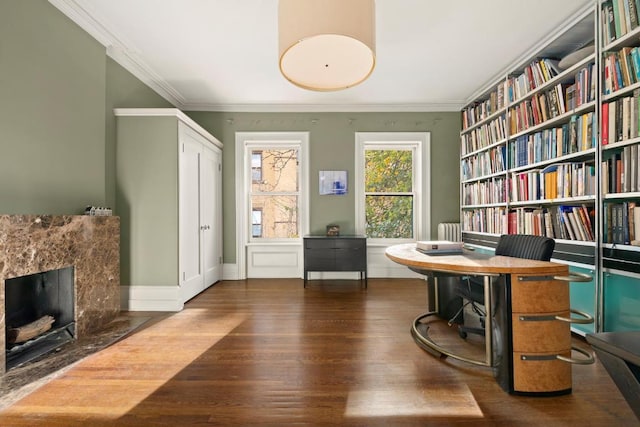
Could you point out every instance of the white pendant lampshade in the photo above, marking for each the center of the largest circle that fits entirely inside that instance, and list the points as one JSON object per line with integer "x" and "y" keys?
{"x": 327, "y": 45}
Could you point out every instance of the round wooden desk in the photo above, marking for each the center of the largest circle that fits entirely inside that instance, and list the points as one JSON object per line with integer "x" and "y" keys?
{"x": 529, "y": 303}
{"x": 471, "y": 262}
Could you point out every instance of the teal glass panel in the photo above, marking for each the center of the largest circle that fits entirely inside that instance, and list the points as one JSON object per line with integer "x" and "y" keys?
{"x": 621, "y": 303}
{"x": 583, "y": 298}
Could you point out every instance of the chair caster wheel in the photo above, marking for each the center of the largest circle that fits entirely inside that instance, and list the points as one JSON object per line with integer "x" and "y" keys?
{"x": 462, "y": 334}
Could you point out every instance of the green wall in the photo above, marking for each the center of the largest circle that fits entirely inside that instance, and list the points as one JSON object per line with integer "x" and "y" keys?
{"x": 58, "y": 89}
{"x": 124, "y": 90}
{"x": 147, "y": 200}
{"x": 332, "y": 147}
{"x": 52, "y": 92}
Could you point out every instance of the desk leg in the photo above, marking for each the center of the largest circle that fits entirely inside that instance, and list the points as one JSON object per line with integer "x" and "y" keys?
{"x": 425, "y": 342}
{"x": 488, "y": 320}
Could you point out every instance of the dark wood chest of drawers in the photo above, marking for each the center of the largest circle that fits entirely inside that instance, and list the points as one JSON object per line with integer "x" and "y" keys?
{"x": 340, "y": 253}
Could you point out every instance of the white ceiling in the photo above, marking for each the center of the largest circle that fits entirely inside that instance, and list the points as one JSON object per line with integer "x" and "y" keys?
{"x": 221, "y": 55}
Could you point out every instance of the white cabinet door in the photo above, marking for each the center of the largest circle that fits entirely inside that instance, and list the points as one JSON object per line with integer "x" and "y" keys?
{"x": 210, "y": 203}
{"x": 191, "y": 232}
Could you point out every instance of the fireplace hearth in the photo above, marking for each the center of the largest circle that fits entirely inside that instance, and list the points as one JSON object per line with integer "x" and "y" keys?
{"x": 39, "y": 312}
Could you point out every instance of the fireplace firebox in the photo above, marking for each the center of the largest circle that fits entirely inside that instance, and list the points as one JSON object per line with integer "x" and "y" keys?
{"x": 39, "y": 312}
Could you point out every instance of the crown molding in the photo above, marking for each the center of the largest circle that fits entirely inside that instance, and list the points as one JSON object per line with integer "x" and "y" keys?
{"x": 117, "y": 49}
{"x": 328, "y": 108}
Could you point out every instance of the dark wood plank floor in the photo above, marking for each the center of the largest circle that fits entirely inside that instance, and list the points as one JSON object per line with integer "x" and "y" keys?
{"x": 268, "y": 352}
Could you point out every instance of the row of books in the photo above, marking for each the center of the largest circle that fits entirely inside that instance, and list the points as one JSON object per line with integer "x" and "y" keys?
{"x": 486, "y": 220}
{"x": 481, "y": 110}
{"x": 534, "y": 75}
{"x": 621, "y": 69}
{"x": 485, "y": 135}
{"x": 619, "y": 18}
{"x": 621, "y": 223}
{"x": 621, "y": 119}
{"x": 492, "y": 191}
{"x": 557, "y": 222}
{"x": 484, "y": 163}
{"x": 538, "y": 109}
{"x": 572, "y": 137}
{"x": 554, "y": 102}
{"x": 577, "y": 179}
{"x": 620, "y": 172}
{"x": 583, "y": 90}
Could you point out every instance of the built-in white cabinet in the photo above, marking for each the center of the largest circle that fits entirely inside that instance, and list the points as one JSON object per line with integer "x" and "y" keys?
{"x": 169, "y": 198}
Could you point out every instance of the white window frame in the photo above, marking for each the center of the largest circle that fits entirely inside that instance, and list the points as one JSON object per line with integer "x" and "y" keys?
{"x": 419, "y": 143}
{"x": 245, "y": 142}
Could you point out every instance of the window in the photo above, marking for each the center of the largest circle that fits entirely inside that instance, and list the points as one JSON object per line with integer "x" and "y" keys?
{"x": 388, "y": 198}
{"x": 390, "y": 202}
{"x": 274, "y": 192}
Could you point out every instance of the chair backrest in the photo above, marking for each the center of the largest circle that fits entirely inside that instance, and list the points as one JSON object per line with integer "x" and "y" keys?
{"x": 526, "y": 246}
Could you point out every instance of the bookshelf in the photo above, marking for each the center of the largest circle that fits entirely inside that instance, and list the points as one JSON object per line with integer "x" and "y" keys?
{"x": 554, "y": 148}
{"x": 530, "y": 155}
{"x": 528, "y": 145}
{"x": 619, "y": 154}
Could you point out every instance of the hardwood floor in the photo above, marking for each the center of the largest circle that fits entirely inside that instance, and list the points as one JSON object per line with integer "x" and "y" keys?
{"x": 268, "y": 352}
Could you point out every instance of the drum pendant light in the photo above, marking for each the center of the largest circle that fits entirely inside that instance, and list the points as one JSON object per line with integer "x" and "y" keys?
{"x": 326, "y": 45}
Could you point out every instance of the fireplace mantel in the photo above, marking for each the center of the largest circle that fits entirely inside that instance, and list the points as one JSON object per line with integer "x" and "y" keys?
{"x": 35, "y": 243}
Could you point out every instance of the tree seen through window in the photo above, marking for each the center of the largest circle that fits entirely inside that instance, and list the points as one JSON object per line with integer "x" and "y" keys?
{"x": 389, "y": 193}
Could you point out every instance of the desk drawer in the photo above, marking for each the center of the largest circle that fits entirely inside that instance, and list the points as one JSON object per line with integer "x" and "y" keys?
{"x": 541, "y": 376}
{"x": 351, "y": 259}
{"x": 534, "y": 335}
{"x": 346, "y": 243}
{"x": 319, "y": 243}
{"x": 319, "y": 259}
{"x": 539, "y": 296}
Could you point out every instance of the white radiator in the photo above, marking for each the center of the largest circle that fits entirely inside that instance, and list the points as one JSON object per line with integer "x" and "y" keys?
{"x": 449, "y": 231}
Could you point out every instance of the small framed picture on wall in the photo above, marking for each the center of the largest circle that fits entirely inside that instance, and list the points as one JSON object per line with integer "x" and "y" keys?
{"x": 333, "y": 182}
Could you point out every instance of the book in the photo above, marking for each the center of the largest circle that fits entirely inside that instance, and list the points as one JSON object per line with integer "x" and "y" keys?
{"x": 605, "y": 123}
{"x": 610, "y": 28}
{"x": 636, "y": 225}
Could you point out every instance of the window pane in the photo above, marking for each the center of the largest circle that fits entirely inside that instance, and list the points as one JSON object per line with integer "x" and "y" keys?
{"x": 388, "y": 171}
{"x": 279, "y": 171}
{"x": 389, "y": 216}
{"x": 279, "y": 215}
{"x": 256, "y": 165}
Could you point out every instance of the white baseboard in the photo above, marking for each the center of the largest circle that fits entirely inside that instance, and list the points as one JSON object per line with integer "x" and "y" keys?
{"x": 375, "y": 270}
{"x": 230, "y": 272}
{"x": 150, "y": 298}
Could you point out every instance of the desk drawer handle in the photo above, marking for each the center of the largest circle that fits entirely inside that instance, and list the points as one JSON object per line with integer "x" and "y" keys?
{"x": 587, "y": 360}
{"x": 587, "y": 319}
{"x": 533, "y": 318}
{"x": 574, "y": 276}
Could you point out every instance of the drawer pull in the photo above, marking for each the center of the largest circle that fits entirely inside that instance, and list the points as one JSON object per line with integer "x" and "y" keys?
{"x": 588, "y": 357}
{"x": 587, "y": 360}
{"x": 574, "y": 276}
{"x": 587, "y": 319}
{"x": 571, "y": 277}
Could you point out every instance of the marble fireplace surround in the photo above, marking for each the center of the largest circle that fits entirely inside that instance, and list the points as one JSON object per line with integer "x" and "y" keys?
{"x": 91, "y": 244}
